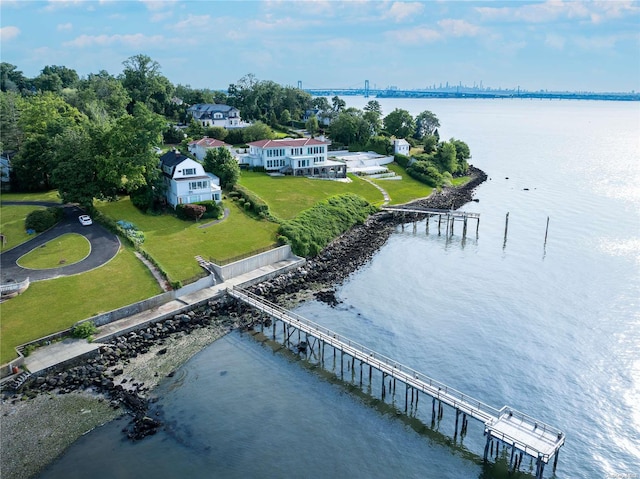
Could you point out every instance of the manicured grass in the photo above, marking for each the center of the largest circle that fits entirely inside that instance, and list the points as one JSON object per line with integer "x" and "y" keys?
{"x": 174, "y": 243}
{"x": 12, "y": 224}
{"x": 51, "y": 196}
{"x": 463, "y": 180}
{"x": 63, "y": 250}
{"x": 289, "y": 195}
{"x": 404, "y": 190}
{"x": 54, "y": 305}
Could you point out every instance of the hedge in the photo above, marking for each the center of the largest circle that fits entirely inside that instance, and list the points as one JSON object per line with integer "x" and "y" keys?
{"x": 41, "y": 220}
{"x": 314, "y": 228}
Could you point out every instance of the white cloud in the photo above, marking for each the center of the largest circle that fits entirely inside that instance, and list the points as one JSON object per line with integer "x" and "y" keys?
{"x": 414, "y": 36}
{"x": 155, "y": 5}
{"x": 64, "y": 26}
{"x": 7, "y": 33}
{"x": 555, "y": 41}
{"x": 459, "y": 28}
{"x": 160, "y": 16}
{"x": 596, "y": 42}
{"x": 136, "y": 40}
{"x": 192, "y": 22}
{"x": 402, "y": 10}
{"x": 551, "y": 10}
{"x": 57, "y": 4}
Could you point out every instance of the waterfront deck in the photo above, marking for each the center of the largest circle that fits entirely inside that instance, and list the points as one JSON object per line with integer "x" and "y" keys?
{"x": 449, "y": 217}
{"x": 506, "y": 426}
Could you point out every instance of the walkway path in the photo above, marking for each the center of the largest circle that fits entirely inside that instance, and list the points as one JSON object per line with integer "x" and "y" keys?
{"x": 385, "y": 195}
{"x": 69, "y": 349}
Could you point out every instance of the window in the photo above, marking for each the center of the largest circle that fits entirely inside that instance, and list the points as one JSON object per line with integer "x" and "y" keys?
{"x": 189, "y": 171}
{"x": 198, "y": 185}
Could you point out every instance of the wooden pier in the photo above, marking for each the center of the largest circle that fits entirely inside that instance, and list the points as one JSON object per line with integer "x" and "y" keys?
{"x": 448, "y": 217}
{"x": 518, "y": 434}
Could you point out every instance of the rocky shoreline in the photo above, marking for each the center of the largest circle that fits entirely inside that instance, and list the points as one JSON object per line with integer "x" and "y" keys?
{"x": 118, "y": 379}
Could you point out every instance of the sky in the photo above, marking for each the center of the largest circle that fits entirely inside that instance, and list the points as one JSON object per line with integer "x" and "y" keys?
{"x": 554, "y": 45}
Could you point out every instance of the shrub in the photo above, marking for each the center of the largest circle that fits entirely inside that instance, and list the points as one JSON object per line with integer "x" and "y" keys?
{"x": 84, "y": 330}
{"x": 193, "y": 211}
{"x": 40, "y": 220}
{"x": 212, "y": 209}
{"x": 402, "y": 160}
{"x": 313, "y": 229}
{"x": 256, "y": 204}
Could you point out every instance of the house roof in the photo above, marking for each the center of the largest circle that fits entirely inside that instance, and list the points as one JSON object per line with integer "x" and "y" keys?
{"x": 172, "y": 158}
{"x": 287, "y": 142}
{"x": 208, "y": 143}
{"x": 210, "y": 107}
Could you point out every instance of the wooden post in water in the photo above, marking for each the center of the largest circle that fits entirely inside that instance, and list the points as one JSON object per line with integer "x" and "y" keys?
{"x": 477, "y": 226}
{"x": 506, "y": 228}
{"x": 455, "y": 434}
{"x": 439, "y": 221}
{"x": 546, "y": 232}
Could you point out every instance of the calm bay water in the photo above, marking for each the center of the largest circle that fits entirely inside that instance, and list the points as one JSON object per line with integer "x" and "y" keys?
{"x": 553, "y": 331}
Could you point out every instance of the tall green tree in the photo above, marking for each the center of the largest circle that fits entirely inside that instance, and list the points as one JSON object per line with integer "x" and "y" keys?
{"x": 399, "y": 123}
{"x": 374, "y": 107}
{"x": 426, "y": 124}
{"x": 312, "y": 126}
{"x": 145, "y": 83}
{"x": 221, "y": 163}
{"x": 463, "y": 153}
{"x": 102, "y": 91}
{"x": 445, "y": 157}
{"x": 130, "y": 143}
{"x": 12, "y": 79}
{"x": 338, "y": 104}
{"x": 10, "y": 132}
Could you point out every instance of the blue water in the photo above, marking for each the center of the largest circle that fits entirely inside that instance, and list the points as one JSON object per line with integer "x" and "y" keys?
{"x": 552, "y": 330}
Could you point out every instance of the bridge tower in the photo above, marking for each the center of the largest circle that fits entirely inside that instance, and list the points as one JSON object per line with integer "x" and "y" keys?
{"x": 366, "y": 88}
{"x": 299, "y": 84}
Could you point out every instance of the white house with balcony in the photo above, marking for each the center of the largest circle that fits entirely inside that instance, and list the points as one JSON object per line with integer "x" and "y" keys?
{"x": 211, "y": 114}
{"x": 186, "y": 181}
{"x": 199, "y": 148}
{"x": 296, "y": 156}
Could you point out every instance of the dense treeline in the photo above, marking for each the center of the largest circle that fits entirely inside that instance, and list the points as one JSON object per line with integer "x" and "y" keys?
{"x": 315, "y": 227}
{"x": 93, "y": 137}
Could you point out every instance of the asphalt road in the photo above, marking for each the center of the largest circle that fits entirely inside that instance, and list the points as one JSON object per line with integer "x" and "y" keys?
{"x": 104, "y": 246}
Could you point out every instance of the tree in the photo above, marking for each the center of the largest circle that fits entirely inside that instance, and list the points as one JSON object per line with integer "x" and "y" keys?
{"x": 373, "y": 106}
{"x": 426, "y": 124}
{"x": 11, "y": 133}
{"x": 144, "y": 82}
{"x": 257, "y": 131}
{"x": 217, "y": 132}
{"x": 399, "y": 123}
{"x": 463, "y": 153}
{"x": 430, "y": 144}
{"x": 445, "y": 157}
{"x": 285, "y": 117}
{"x": 312, "y": 126}
{"x": 12, "y": 79}
{"x": 132, "y": 161}
{"x": 350, "y": 128}
{"x": 338, "y": 103}
{"x": 104, "y": 90}
{"x": 321, "y": 103}
{"x": 221, "y": 163}
{"x": 48, "y": 82}
{"x": 76, "y": 171}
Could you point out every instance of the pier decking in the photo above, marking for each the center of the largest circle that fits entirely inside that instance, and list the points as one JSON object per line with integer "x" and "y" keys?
{"x": 449, "y": 217}
{"x": 513, "y": 429}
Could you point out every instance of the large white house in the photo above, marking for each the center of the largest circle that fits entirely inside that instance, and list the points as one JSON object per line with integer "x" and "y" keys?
{"x": 199, "y": 148}
{"x": 210, "y": 114}
{"x": 297, "y": 156}
{"x": 186, "y": 181}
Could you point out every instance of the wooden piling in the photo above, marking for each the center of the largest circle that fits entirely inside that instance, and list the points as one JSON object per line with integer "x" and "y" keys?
{"x": 506, "y": 227}
{"x": 546, "y": 232}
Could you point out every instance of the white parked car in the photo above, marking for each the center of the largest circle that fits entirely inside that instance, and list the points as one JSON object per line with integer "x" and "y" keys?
{"x": 85, "y": 220}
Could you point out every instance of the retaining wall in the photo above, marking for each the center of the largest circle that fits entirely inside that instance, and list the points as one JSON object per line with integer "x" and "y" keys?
{"x": 254, "y": 262}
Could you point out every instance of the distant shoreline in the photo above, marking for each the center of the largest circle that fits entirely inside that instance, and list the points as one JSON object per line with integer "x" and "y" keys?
{"x": 481, "y": 95}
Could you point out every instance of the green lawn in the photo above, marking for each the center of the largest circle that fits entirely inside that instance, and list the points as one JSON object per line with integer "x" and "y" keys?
{"x": 463, "y": 180}
{"x": 404, "y": 190}
{"x": 51, "y": 196}
{"x": 63, "y": 250}
{"x": 53, "y": 305}
{"x": 289, "y": 195}
{"x": 12, "y": 224}
{"x": 174, "y": 243}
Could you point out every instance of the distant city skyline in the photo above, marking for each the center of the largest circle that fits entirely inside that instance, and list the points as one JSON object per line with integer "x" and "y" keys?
{"x": 554, "y": 45}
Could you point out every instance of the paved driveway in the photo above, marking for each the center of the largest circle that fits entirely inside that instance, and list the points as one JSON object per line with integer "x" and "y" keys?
{"x": 104, "y": 246}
